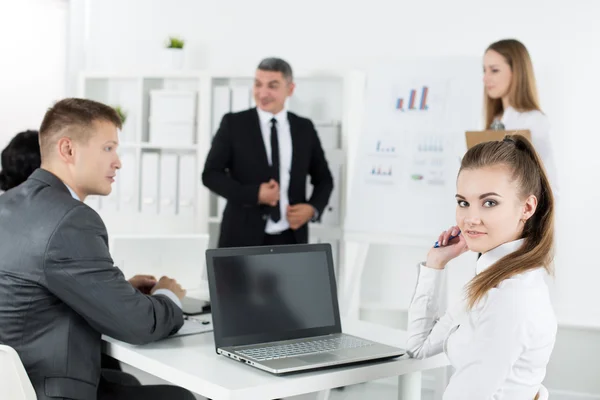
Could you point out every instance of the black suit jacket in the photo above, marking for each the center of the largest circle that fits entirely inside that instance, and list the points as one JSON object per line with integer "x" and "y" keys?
{"x": 237, "y": 164}
{"x": 59, "y": 290}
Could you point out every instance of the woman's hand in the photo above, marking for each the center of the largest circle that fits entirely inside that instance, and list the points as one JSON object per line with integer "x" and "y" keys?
{"x": 448, "y": 250}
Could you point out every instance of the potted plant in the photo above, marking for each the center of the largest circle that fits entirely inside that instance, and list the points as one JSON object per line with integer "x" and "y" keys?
{"x": 122, "y": 114}
{"x": 174, "y": 52}
{"x": 127, "y": 131}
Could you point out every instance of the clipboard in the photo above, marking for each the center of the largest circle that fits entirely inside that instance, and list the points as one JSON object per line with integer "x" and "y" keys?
{"x": 475, "y": 137}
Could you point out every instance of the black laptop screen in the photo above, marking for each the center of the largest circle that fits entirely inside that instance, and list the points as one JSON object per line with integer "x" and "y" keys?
{"x": 273, "y": 296}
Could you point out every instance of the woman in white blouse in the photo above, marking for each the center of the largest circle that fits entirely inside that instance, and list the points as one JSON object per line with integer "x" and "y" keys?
{"x": 511, "y": 98}
{"x": 499, "y": 340}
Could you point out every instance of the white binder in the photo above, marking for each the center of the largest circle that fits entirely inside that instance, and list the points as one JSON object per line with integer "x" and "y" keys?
{"x": 221, "y": 105}
{"x": 221, "y": 203}
{"x": 240, "y": 98}
{"x": 187, "y": 184}
{"x": 329, "y": 135}
{"x": 150, "y": 171}
{"x": 126, "y": 177}
{"x": 110, "y": 203}
{"x": 331, "y": 214}
{"x": 93, "y": 202}
{"x": 168, "y": 184}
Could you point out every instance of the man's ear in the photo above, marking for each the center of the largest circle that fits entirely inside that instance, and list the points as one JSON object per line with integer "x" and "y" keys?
{"x": 66, "y": 149}
{"x": 291, "y": 87}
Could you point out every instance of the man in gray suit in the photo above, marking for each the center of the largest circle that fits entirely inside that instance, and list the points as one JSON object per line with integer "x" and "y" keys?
{"x": 59, "y": 290}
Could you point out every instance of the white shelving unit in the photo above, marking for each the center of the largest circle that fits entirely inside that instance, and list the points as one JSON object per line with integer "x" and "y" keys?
{"x": 141, "y": 194}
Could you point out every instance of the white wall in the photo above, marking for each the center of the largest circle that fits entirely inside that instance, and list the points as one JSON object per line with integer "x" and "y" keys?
{"x": 563, "y": 39}
{"x": 32, "y": 62}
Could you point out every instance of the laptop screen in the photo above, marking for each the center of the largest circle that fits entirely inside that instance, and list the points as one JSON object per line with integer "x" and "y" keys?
{"x": 265, "y": 294}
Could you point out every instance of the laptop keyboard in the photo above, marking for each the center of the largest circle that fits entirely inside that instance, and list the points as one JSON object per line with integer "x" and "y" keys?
{"x": 304, "y": 348}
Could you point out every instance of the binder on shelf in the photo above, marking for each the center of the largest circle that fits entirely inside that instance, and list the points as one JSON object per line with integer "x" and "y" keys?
{"x": 110, "y": 203}
{"x": 187, "y": 185}
{"x": 329, "y": 135}
{"x": 173, "y": 105}
{"x": 475, "y": 137}
{"x": 240, "y": 98}
{"x": 331, "y": 213}
{"x": 172, "y": 133}
{"x": 93, "y": 202}
{"x": 221, "y": 203}
{"x": 168, "y": 184}
{"x": 221, "y": 105}
{"x": 150, "y": 171}
{"x": 126, "y": 178}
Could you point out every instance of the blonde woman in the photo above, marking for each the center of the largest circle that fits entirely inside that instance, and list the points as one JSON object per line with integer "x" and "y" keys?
{"x": 500, "y": 339}
{"x": 511, "y": 97}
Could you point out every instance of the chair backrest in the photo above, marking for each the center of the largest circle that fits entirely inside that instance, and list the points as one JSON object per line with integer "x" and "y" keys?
{"x": 14, "y": 381}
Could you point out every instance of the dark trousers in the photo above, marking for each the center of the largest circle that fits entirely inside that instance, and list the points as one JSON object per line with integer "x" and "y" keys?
{"x": 117, "y": 385}
{"x": 285, "y": 237}
{"x": 107, "y": 362}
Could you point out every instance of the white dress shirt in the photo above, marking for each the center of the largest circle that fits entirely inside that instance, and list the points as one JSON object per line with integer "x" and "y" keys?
{"x": 284, "y": 138}
{"x": 539, "y": 126}
{"x": 501, "y": 347}
{"x": 165, "y": 292}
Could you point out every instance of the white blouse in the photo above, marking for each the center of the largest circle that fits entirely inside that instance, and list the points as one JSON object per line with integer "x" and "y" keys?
{"x": 501, "y": 347}
{"x": 539, "y": 126}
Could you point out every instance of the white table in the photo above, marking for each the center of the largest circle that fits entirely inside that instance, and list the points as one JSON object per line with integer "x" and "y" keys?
{"x": 192, "y": 363}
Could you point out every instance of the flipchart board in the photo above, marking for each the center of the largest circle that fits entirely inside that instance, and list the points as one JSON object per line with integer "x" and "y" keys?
{"x": 412, "y": 139}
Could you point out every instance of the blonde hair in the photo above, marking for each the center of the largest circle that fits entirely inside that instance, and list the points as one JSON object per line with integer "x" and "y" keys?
{"x": 516, "y": 153}
{"x": 522, "y": 93}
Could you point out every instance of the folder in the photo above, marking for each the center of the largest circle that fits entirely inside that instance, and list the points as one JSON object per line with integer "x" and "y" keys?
{"x": 473, "y": 138}
{"x": 110, "y": 203}
{"x": 240, "y": 98}
{"x": 93, "y": 202}
{"x": 126, "y": 177}
{"x": 329, "y": 135}
{"x": 221, "y": 105}
{"x": 331, "y": 214}
{"x": 187, "y": 179}
{"x": 168, "y": 184}
{"x": 221, "y": 203}
{"x": 150, "y": 171}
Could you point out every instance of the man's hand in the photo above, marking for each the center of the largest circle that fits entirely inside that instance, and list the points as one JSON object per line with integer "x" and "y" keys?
{"x": 299, "y": 214}
{"x": 170, "y": 284}
{"x": 269, "y": 193}
{"x": 143, "y": 283}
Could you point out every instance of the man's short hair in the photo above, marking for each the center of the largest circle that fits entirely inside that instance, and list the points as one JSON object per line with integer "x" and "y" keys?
{"x": 74, "y": 118}
{"x": 277, "y": 65}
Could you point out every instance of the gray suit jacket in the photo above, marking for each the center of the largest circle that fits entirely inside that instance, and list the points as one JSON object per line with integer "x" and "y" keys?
{"x": 59, "y": 290}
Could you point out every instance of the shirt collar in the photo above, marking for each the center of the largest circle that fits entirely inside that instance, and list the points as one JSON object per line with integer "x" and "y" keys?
{"x": 73, "y": 194}
{"x": 265, "y": 117}
{"x": 489, "y": 258}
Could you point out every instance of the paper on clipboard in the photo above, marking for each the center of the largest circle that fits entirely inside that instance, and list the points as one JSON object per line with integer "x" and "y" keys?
{"x": 475, "y": 137}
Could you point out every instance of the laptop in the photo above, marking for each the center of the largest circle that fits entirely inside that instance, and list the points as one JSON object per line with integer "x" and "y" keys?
{"x": 276, "y": 309}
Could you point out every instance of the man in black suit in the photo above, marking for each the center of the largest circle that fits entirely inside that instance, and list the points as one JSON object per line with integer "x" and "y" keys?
{"x": 259, "y": 162}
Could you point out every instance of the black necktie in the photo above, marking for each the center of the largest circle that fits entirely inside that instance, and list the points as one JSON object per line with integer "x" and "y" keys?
{"x": 275, "y": 211}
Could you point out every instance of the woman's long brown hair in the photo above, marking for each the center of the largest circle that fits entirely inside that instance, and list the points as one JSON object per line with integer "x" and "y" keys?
{"x": 522, "y": 94}
{"x": 518, "y": 155}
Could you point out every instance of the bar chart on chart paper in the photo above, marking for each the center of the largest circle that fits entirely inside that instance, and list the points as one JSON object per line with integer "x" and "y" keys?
{"x": 416, "y": 100}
